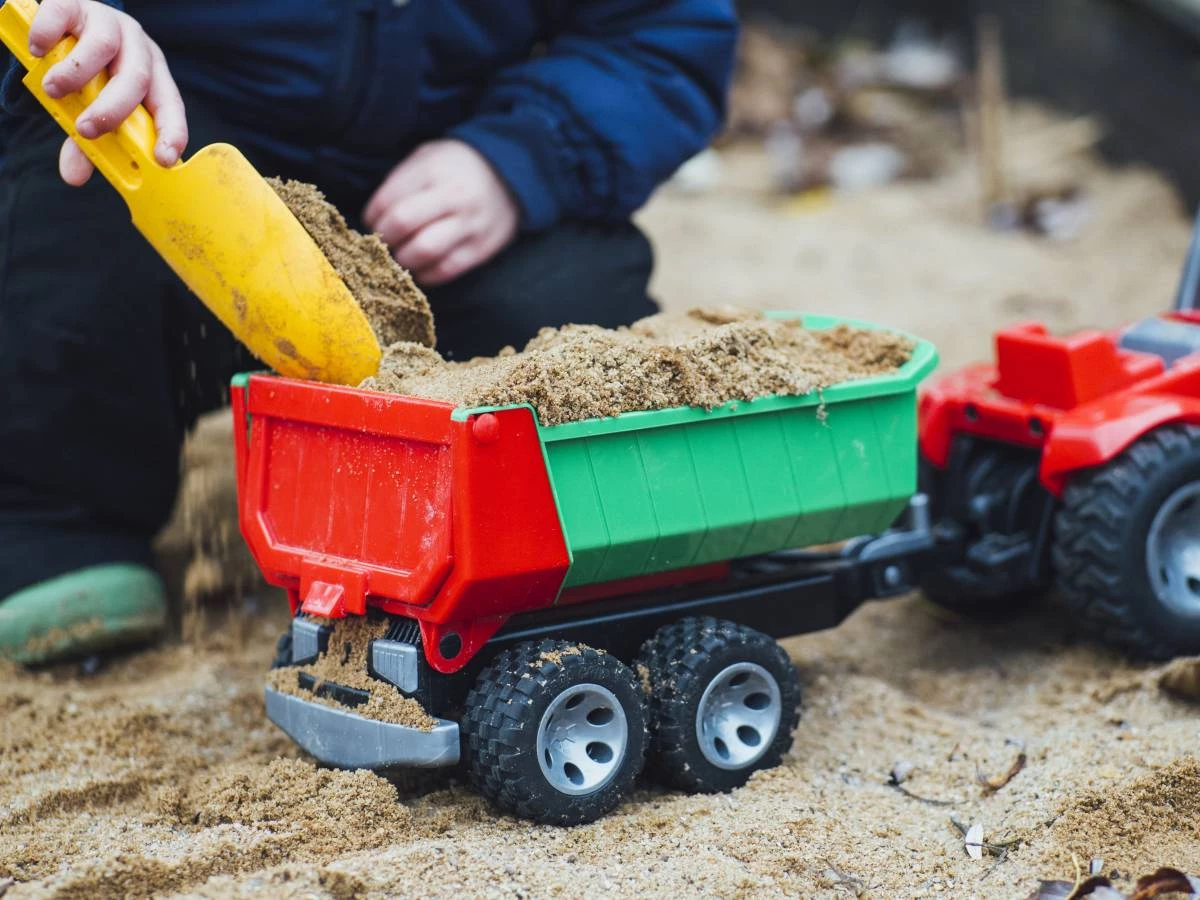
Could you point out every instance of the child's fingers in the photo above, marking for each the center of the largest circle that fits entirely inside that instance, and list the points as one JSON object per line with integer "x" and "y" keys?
{"x": 457, "y": 262}
{"x": 98, "y": 45}
{"x": 408, "y": 178}
{"x": 55, "y": 19}
{"x": 409, "y": 215}
{"x": 73, "y": 166}
{"x": 170, "y": 117}
{"x": 432, "y": 244}
{"x": 125, "y": 90}
{"x": 480, "y": 246}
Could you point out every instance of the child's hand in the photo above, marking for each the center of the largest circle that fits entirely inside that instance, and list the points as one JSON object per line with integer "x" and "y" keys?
{"x": 110, "y": 40}
{"x": 443, "y": 211}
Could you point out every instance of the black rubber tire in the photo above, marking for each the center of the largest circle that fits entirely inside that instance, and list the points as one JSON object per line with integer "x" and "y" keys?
{"x": 504, "y": 711}
{"x": 679, "y": 662}
{"x": 1100, "y": 545}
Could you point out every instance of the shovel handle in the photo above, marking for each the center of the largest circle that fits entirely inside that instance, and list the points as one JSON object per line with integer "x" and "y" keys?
{"x": 124, "y": 156}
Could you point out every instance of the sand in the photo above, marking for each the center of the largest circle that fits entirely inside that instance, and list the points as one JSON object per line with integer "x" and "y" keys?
{"x": 395, "y": 306}
{"x": 162, "y": 774}
{"x": 704, "y": 357}
{"x": 345, "y": 662}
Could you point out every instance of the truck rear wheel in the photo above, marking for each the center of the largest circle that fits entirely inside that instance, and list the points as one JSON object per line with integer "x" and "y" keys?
{"x": 724, "y": 701}
{"x": 1127, "y": 546}
{"x": 555, "y": 732}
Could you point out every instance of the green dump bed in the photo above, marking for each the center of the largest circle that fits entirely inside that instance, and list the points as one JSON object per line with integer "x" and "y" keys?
{"x": 646, "y": 492}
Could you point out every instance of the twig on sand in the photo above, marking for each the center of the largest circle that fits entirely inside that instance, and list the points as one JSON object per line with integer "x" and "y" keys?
{"x": 991, "y": 785}
{"x": 932, "y": 801}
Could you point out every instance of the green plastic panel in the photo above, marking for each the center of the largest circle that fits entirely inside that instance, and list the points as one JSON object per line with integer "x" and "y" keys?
{"x": 646, "y": 492}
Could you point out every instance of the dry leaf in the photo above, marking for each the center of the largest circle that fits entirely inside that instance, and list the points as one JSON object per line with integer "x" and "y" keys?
{"x": 973, "y": 841}
{"x": 1165, "y": 881}
{"x": 991, "y": 785}
{"x": 1096, "y": 887}
{"x": 1182, "y": 679}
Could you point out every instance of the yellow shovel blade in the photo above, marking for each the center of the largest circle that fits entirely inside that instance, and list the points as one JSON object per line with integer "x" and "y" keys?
{"x": 224, "y": 232}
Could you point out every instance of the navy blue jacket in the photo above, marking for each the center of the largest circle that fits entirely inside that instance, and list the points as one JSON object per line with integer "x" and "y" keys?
{"x": 582, "y": 106}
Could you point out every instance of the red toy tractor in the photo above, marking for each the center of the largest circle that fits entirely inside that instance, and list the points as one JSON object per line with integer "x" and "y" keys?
{"x": 1075, "y": 463}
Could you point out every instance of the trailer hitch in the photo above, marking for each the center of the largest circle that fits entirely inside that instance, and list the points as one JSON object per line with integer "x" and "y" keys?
{"x": 891, "y": 563}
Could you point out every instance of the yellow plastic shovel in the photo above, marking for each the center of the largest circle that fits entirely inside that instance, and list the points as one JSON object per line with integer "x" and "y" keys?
{"x": 223, "y": 230}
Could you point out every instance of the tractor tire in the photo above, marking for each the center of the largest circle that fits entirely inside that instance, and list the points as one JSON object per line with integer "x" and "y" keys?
{"x": 555, "y": 732}
{"x": 947, "y": 591}
{"x": 724, "y": 701}
{"x": 1127, "y": 546}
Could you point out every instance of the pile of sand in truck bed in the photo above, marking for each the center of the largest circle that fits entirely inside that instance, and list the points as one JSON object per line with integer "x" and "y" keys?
{"x": 395, "y": 306}
{"x": 344, "y": 662}
{"x": 704, "y": 358}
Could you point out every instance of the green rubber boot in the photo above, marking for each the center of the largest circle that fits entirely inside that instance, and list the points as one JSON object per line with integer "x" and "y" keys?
{"x": 82, "y": 612}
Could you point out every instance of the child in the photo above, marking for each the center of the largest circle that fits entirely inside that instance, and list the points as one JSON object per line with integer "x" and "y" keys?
{"x": 498, "y": 148}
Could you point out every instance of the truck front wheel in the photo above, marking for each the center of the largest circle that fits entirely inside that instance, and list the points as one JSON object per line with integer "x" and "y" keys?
{"x": 555, "y": 732}
{"x": 724, "y": 701}
{"x": 1127, "y": 546}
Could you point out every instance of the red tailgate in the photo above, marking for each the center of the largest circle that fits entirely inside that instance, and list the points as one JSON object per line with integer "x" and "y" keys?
{"x": 346, "y": 493}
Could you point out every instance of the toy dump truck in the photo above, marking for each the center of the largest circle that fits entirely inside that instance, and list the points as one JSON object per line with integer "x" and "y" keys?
{"x": 565, "y": 601}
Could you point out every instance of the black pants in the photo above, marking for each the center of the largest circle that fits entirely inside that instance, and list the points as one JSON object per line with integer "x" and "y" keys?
{"x": 106, "y": 359}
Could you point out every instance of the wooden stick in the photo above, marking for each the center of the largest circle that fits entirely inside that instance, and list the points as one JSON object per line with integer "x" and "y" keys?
{"x": 992, "y": 102}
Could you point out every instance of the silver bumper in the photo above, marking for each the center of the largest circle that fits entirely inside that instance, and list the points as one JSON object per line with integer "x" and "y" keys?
{"x": 349, "y": 741}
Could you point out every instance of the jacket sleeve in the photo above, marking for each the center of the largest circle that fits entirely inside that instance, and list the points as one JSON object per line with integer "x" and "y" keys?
{"x": 14, "y": 99}
{"x": 626, "y": 91}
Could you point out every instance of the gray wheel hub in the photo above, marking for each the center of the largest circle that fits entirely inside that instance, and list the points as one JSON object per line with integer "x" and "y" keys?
{"x": 1173, "y": 551}
{"x": 738, "y": 716}
{"x": 582, "y": 739}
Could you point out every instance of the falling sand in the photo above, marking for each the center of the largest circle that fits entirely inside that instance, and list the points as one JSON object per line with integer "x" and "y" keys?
{"x": 395, "y": 306}
{"x": 702, "y": 358}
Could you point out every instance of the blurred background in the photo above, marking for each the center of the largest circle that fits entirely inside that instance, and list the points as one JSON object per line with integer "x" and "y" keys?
{"x": 1132, "y": 62}
{"x": 946, "y": 166}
